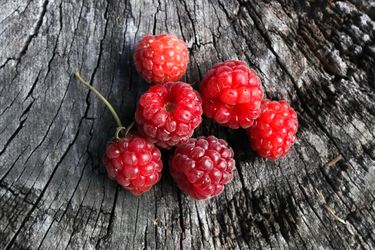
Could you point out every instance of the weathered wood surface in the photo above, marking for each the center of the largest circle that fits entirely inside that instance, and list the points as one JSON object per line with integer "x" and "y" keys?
{"x": 319, "y": 55}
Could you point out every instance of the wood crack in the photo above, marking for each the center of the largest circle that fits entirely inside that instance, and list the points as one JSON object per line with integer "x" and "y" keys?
{"x": 317, "y": 55}
{"x": 35, "y": 30}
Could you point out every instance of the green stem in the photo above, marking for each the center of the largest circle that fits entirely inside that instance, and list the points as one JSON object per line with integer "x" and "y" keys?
{"x": 129, "y": 128}
{"x": 105, "y": 101}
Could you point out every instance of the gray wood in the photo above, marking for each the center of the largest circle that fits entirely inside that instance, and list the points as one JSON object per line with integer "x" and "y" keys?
{"x": 318, "y": 55}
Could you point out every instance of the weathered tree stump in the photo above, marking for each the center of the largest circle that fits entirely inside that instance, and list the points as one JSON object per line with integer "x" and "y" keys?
{"x": 318, "y": 55}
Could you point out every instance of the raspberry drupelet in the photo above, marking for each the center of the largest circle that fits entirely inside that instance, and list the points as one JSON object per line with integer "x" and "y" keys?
{"x": 274, "y": 132}
{"x": 231, "y": 94}
{"x": 162, "y": 58}
{"x": 202, "y": 166}
{"x": 167, "y": 114}
{"x": 130, "y": 159}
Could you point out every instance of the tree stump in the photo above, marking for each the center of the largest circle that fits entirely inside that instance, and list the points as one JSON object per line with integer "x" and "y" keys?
{"x": 318, "y": 55}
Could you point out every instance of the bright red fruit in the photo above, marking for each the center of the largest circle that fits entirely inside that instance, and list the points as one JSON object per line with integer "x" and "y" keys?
{"x": 134, "y": 163}
{"x": 160, "y": 59}
{"x": 231, "y": 94}
{"x": 168, "y": 114}
{"x": 202, "y": 166}
{"x": 274, "y": 132}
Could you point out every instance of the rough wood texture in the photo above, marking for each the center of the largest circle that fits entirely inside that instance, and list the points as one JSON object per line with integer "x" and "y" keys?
{"x": 318, "y": 55}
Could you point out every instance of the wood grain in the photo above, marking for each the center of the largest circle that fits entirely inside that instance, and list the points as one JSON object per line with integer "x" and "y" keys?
{"x": 54, "y": 193}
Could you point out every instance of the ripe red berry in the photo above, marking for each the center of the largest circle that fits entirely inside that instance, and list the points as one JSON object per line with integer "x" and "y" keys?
{"x": 160, "y": 59}
{"x": 202, "y": 166}
{"x": 231, "y": 94}
{"x": 168, "y": 114}
{"x": 274, "y": 132}
{"x": 134, "y": 163}
{"x": 132, "y": 160}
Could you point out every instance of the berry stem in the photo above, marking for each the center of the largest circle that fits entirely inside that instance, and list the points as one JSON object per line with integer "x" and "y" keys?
{"x": 105, "y": 101}
{"x": 129, "y": 128}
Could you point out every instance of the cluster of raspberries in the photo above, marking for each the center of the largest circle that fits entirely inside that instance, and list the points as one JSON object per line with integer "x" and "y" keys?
{"x": 168, "y": 112}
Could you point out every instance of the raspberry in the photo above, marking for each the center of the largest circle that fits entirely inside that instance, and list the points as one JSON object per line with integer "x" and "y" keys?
{"x": 161, "y": 59}
{"x": 231, "y": 94}
{"x": 134, "y": 163}
{"x": 168, "y": 114}
{"x": 132, "y": 160}
{"x": 202, "y": 166}
{"x": 274, "y": 132}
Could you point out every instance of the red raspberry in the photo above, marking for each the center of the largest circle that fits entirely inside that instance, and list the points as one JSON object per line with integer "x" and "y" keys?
{"x": 202, "y": 166}
{"x": 231, "y": 94}
{"x": 168, "y": 114}
{"x": 161, "y": 59}
{"x": 134, "y": 163}
{"x": 274, "y": 132}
